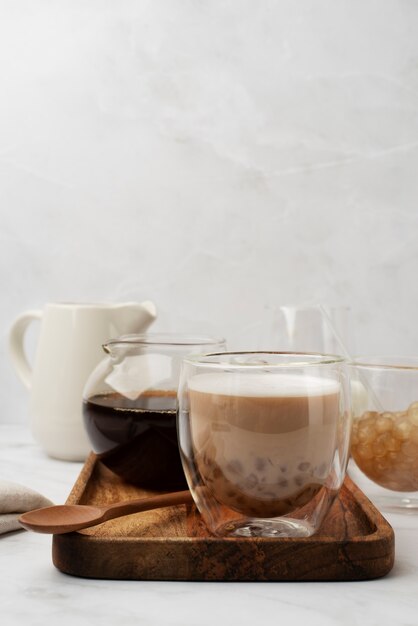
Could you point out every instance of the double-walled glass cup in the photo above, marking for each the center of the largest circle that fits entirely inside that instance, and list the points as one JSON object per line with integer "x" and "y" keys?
{"x": 385, "y": 429}
{"x": 264, "y": 439}
{"x": 129, "y": 406}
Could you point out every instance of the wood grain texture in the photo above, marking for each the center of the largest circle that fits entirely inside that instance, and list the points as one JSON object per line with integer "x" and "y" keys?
{"x": 355, "y": 542}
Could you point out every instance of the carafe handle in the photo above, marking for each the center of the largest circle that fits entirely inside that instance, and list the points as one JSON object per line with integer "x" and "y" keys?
{"x": 16, "y": 347}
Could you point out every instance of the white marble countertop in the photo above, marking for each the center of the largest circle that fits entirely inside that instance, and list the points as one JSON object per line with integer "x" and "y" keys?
{"x": 33, "y": 592}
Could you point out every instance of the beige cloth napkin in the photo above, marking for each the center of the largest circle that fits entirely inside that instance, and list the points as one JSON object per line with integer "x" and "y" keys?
{"x": 14, "y": 500}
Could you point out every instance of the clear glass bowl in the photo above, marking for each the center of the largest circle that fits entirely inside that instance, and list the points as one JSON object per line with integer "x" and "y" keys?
{"x": 384, "y": 441}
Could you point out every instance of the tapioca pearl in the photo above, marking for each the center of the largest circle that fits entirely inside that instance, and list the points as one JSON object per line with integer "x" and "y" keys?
{"x": 414, "y": 435}
{"x": 235, "y": 467}
{"x": 379, "y": 448}
{"x": 368, "y": 418}
{"x": 299, "y": 481}
{"x": 365, "y": 451}
{"x": 283, "y": 483}
{"x": 251, "y": 481}
{"x": 384, "y": 423}
{"x": 393, "y": 457}
{"x": 402, "y": 429}
{"x": 366, "y": 433}
{"x": 322, "y": 469}
{"x": 413, "y": 413}
{"x": 391, "y": 443}
{"x": 283, "y": 469}
{"x": 410, "y": 449}
{"x": 260, "y": 464}
{"x": 304, "y": 466}
{"x": 382, "y": 464}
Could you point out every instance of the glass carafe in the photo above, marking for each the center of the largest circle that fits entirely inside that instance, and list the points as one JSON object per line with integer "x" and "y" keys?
{"x": 129, "y": 406}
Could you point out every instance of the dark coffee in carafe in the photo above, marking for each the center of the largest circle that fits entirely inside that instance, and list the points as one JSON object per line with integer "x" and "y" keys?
{"x": 137, "y": 438}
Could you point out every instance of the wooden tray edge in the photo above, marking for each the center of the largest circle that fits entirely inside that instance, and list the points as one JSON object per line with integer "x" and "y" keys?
{"x": 362, "y": 558}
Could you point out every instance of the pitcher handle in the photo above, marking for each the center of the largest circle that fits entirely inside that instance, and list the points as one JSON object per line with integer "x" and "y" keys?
{"x": 16, "y": 347}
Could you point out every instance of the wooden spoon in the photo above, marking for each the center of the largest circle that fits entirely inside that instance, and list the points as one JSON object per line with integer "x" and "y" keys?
{"x": 67, "y": 518}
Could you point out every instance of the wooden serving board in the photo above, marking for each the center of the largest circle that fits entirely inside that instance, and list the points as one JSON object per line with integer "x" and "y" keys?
{"x": 355, "y": 542}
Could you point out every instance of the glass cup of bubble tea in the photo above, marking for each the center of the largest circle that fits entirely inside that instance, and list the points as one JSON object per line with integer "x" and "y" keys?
{"x": 384, "y": 443}
{"x": 264, "y": 439}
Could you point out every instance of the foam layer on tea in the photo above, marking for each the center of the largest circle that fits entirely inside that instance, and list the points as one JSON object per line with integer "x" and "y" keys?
{"x": 263, "y": 443}
{"x": 262, "y": 385}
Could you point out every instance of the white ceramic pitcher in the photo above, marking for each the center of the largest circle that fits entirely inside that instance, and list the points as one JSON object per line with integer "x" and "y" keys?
{"x": 69, "y": 348}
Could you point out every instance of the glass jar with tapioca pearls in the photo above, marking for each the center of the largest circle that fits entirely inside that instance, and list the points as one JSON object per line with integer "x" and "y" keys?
{"x": 384, "y": 442}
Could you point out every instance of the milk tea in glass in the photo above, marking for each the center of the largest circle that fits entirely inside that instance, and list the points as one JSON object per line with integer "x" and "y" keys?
{"x": 264, "y": 440}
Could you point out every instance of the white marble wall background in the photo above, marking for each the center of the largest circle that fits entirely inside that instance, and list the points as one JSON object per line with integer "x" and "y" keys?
{"x": 217, "y": 157}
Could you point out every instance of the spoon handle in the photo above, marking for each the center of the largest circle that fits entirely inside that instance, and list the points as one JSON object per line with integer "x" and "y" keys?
{"x": 68, "y": 518}
{"x": 146, "y": 504}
